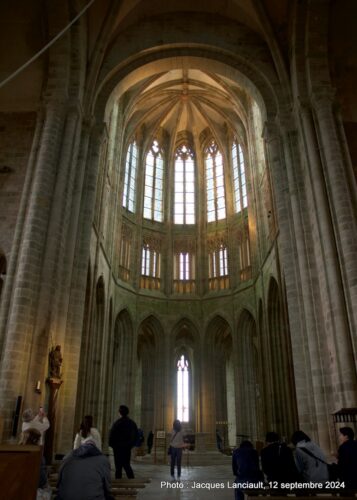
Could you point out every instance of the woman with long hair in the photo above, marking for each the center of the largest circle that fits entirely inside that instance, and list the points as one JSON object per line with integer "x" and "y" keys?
{"x": 87, "y": 431}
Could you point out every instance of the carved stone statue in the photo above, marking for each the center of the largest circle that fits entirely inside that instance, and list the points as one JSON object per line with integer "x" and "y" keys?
{"x": 55, "y": 362}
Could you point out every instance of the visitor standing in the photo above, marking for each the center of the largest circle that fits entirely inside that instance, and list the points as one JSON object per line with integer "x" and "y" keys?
{"x": 150, "y": 441}
{"x": 175, "y": 450}
{"x": 122, "y": 439}
{"x": 32, "y": 421}
{"x": 86, "y": 430}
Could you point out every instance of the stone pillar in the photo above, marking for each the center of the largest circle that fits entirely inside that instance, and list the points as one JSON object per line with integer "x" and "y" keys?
{"x": 89, "y": 162}
{"x": 342, "y": 194}
{"x": 334, "y": 309}
{"x": 208, "y": 396}
{"x": 285, "y": 190}
{"x": 21, "y": 326}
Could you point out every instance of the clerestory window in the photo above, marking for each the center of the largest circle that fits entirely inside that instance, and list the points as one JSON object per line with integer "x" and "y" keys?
{"x": 239, "y": 179}
{"x": 183, "y": 389}
{"x": 184, "y": 205}
{"x": 154, "y": 177}
{"x": 129, "y": 193}
{"x": 218, "y": 262}
{"x": 216, "y": 200}
{"x": 150, "y": 262}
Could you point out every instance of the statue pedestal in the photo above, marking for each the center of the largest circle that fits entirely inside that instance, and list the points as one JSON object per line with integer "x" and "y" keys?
{"x": 54, "y": 386}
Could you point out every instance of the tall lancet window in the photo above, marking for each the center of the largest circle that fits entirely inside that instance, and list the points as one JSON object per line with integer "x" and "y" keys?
{"x": 240, "y": 185}
{"x": 216, "y": 199}
{"x": 184, "y": 186}
{"x": 154, "y": 176}
{"x": 130, "y": 177}
{"x": 182, "y": 389}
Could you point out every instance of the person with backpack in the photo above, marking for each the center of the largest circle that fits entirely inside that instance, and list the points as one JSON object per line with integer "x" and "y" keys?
{"x": 122, "y": 438}
{"x": 277, "y": 460}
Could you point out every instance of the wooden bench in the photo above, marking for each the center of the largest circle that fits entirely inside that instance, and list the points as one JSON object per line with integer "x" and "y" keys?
{"x": 318, "y": 494}
{"x": 122, "y": 489}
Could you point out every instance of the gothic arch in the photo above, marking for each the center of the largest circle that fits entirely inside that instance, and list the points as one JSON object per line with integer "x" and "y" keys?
{"x": 150, "y": 374}
{"x": 247, "y": 376}
{"x": 220, "y": 360}
{"x": 122, "y": 354}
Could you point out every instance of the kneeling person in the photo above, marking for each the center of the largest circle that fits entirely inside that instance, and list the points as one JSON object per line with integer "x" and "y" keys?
{"x": 85, "y": 474}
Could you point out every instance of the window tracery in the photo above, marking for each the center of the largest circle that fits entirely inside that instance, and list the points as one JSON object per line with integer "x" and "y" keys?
{"x": 218, "y": 278}
{"x": 239, "y": 178}
{"x": 153, "y": 190}
{"x": 184, "y": 266}
{"x": 183, "y": 389}
{"x": 125, "y": 253}
{"x": 244, "y": 254}
{"x": 215, "y": 192}
{"x": 151, "y": 263}
{"x": 184, "y": 186}
{"x": 129, "y": 193}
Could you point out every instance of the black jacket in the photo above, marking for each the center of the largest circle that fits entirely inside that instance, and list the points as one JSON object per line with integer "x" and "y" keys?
{"x": 278, "y": 463}
{"x": 245, "y": 465}
{"x": 347, "y": 463}
{"x": 123, "y": 434}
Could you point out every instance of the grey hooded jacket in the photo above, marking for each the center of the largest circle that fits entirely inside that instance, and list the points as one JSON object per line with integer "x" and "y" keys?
{"x": 84, "y": 475}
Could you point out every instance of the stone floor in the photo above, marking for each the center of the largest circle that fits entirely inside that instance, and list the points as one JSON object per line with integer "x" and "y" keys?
{"x": 197, "y": 482}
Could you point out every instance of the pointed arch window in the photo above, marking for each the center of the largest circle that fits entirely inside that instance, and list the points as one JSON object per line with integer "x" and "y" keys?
{"x": 150, "y": 262}
{"x": 129, "y": 193}
{"x": 218, "y": 262}
{"x": 184, "y": 206}
{"x": 183, "y": 389}
{"x": 216, "y": 199}
{"x": 239, "y": 179}
{"x": 218, "y": 278}
{"x": 154, "y": 177}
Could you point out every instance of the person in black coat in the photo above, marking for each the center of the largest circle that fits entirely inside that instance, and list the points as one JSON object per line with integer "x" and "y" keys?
{"x": 150, "y": 441}
{"x": 122, "y": 438}
{"x": 245, "y": 465}
{"x": 347, "y": 459}
{"x": 278, "y": 462}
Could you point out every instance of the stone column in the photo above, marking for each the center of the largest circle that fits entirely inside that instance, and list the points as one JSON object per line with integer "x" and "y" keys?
{"x": 342, "y": 194}
{"x": 288, "y": 251}
{"x": 338, "y": 337}
{"x": 78, "y": 284}
{"x": 21, "y": 325}
{"x": 208, "y": 395}
{"x": 21, "y": 219}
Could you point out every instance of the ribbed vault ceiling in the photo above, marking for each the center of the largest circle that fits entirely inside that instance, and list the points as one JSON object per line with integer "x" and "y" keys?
{"x": 185, "y": 100}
